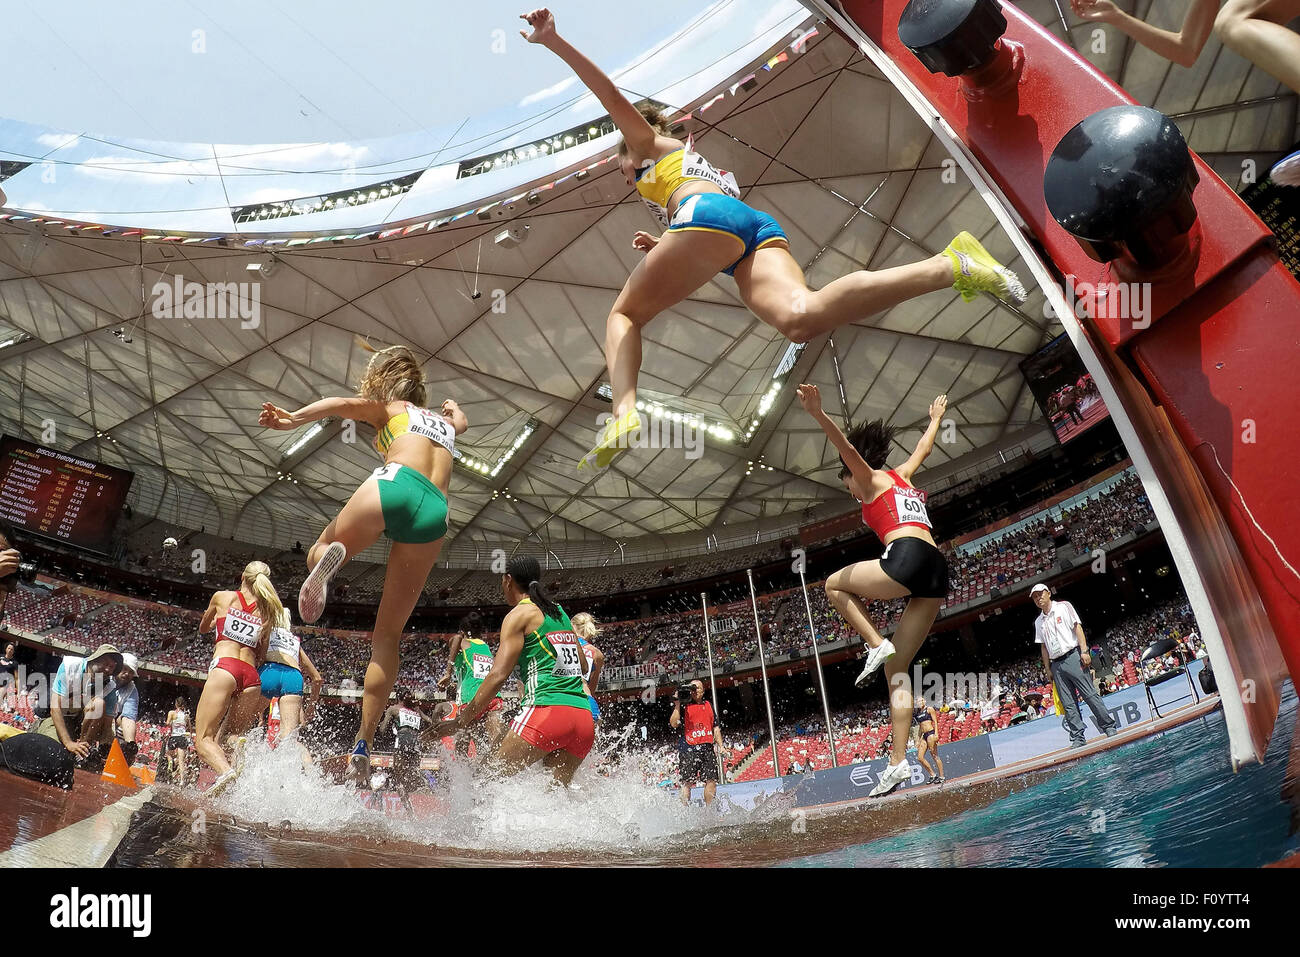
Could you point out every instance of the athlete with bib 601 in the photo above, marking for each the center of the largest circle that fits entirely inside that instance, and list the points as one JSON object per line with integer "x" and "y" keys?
{"x": 554, "y": 725}
{"x": 912, "y": 566}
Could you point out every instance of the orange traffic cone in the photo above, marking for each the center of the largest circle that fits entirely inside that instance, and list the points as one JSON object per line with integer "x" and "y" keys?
{"x": 116, "y": 768}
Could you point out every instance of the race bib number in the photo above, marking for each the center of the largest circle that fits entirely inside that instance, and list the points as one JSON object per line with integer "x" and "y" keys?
{"x": 242, "y": 627}
{"x": 408, "y": 719}
{"x": 695, "y": 166}
{"x": 910, "y": 504}
{"x": 568, "y": 656}
{"x": 433, "y": 427}
{"x": 285, "y": 642}
{"x": 482, "y": 666}
{"x": 387, "y": 472}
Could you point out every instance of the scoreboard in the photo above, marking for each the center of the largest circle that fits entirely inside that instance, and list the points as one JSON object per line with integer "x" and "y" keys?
{"x": 59, "y": 496}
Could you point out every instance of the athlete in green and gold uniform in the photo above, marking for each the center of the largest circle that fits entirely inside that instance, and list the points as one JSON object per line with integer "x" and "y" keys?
{"x": 470, "y": 662}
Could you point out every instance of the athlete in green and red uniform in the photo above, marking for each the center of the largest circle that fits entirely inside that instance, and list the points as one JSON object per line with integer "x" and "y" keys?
{"x": 470, "y": 662}
{"x": 554, "y": 724}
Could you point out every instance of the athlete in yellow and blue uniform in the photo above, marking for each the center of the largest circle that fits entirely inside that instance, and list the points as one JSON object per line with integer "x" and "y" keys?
{"x": 709, "y": 230}
{"x": 405, "y": 499}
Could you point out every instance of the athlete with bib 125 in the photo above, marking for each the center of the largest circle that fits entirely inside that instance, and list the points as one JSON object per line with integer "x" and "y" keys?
{"x": 912, "y": 566}
{"x": 405, "y": 501}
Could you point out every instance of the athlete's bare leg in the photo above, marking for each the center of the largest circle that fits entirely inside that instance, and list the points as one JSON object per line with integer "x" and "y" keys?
{"x": 772, "y": 285}
{"x": 1256, "y": 30}
{"x": 912, "y": 630}
{"x": 849, "y": 589}
{"x": 679, "y": 265}
{"x": 208, "y": 718}
{"x": 408, "y": 572}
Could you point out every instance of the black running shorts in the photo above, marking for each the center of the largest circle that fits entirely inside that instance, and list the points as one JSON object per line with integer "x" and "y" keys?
{"x": 918, "y": 566}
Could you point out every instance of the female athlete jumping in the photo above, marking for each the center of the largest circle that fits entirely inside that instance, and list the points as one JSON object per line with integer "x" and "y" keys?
{"x": 710, "y": 230}
{"x": 405, "y": 499}
{"x": 912, "y": 565}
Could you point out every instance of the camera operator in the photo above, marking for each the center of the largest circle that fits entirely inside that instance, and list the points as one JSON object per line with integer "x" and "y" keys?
{"x": 75, "y": 714}
{"x": 10, "y": 560}
{"x": 701, "y": 746}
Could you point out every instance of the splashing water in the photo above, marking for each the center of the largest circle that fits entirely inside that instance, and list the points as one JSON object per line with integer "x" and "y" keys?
{"x": 617, "y": 811}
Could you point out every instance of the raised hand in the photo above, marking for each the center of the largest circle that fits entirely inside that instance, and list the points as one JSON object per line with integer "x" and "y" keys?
{"x": 810, "y": 398}
{"x": 1101, "y": 11}
{"x": 543, "y": 25}
{"x": 938, "y": 407}
{"x": 274, "y": 417}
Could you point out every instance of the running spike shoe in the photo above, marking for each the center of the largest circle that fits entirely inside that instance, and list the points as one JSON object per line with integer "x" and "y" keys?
{"x": 891, "y": 778}
{"x": 615, "y": 438}
{"x": 974, "y": 271}
{"x": 1287, "y": 171}
{"x": 311, "y": 597}
{"x": 875, "y": 658}
{"x": 223, "y": 781}
{"x": 359, "y": 764}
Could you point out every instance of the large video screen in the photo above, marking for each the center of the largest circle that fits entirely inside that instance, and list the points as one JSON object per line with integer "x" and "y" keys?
{"x": 59, "y": 496}
{"x": 1064, "y": 389}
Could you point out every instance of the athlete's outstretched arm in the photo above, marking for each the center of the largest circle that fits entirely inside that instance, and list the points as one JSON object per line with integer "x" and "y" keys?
{"x": 507, "y": 656}
{"x": 597, "y": 663}
{"x": 639, "y": 134}
{"x": 926, "y": 445}
{"x": 453, "y": 650}
{"x": 387, "y": 720}
{"x": 1182, "y": 47}
{"x": 810, "y": 398}
{"x": 350, "y": 407}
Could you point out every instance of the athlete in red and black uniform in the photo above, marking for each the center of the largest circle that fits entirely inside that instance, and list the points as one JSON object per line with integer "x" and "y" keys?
{"x": 912, "y": 566}
{"x": 243, "y": 621}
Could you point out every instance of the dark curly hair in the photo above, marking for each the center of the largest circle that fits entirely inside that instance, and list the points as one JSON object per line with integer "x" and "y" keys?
{"x": 873, "y": 440}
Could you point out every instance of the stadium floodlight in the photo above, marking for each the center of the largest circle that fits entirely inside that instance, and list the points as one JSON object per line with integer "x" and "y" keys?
{"x": 307, "y": 436}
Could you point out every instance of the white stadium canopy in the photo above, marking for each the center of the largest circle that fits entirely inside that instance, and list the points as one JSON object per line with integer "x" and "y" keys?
{"x": 819, "y": 139}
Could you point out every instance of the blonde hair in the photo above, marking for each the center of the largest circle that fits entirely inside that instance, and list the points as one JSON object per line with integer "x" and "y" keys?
{"x": 257, "y": 576}
{"x": 584, "y": 626}
{"x": 655, "y": 117}
{"x": 393, "y": 375}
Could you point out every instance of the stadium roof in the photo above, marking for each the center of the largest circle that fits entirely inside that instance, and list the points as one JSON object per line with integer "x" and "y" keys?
{"x": 818, "y": 138}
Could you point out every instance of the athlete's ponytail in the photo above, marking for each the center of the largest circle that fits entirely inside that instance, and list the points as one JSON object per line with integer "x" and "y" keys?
{"x": 584, "y": 626}
{"x": 527, "y": 573}
{"x": 658, "y": 122}
{"x": 873, "y": 441}
{"x": 257, "y": 576}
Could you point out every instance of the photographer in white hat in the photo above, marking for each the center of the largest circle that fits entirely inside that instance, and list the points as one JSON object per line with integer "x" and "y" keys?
{"x": 74, "y": 712}
{"x": 1065, "y": 656}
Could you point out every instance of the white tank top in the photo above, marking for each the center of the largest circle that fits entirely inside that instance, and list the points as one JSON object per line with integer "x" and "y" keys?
{"x": 180, "y": 722}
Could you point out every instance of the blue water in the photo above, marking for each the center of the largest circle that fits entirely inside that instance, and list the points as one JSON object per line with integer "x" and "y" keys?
{"x": 1167, "y": 801}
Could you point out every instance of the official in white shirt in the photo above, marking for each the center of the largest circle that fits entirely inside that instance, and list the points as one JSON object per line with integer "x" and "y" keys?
{"x": 1065, "y": 654}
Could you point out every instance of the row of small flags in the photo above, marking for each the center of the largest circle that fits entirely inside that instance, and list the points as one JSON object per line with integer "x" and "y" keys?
{"x": 483, "y": 212}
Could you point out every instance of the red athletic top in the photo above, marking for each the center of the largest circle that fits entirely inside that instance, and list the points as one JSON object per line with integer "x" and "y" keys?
{"x": 241, "y": 624}
{"x": 902, "y": 506}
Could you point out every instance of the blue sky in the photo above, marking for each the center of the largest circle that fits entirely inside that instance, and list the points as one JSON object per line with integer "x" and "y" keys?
{"x": 151, "y": 123}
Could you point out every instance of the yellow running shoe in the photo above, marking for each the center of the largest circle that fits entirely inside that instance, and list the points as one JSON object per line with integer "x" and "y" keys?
{"x": 974, "y": 271}
{"x": 616, "y": 438}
